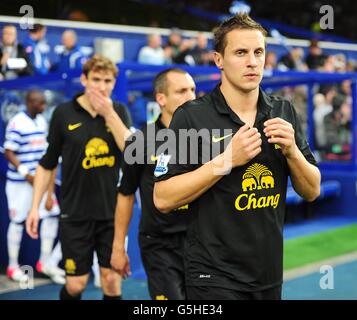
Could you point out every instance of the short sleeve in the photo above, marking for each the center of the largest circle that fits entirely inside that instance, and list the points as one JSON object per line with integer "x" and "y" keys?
{"x": 300, "y": 139}
{"x": 131, "y": 173}
{"x": 124, "y": 115}
{"x": 55, "y": 140}
{"x": 12, "y": 137}
{"x": 177, "y": 160}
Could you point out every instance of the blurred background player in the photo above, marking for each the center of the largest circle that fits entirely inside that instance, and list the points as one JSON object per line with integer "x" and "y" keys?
{"x": 24, "y": 145}
{"x": 161, "y": 237}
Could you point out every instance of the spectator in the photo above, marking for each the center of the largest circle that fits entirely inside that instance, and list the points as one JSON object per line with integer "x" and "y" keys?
{"x": 199, "y": 54}
{"x": 270, "y": 60}
{"x": 315, "y": 57}
{"x": 345, "y": 88}
{"x": 153, "y": 53}
{"x": 14, "y": 61}
{"x": 71, "y": 57}
{"x": 37, "y": 49}
{"x": 177, "y": 48}
{"x": 173, "y": 46}
{"x": 321, "y": 109}
{"x": 351, "y": 66}
{"x": 294, "y": 60}
{"x": 338, "y": 128}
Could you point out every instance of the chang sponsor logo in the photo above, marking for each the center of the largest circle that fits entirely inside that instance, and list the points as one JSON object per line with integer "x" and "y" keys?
{"x": 257, "y": 177}
{"x": 95, "y": 152}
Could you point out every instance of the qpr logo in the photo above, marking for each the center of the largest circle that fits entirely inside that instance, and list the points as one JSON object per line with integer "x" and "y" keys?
{"x": 10, "y": 105}
{"x": 162, "y": 165}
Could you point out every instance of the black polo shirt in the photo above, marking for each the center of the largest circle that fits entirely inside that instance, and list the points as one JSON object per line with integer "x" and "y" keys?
{"x": 235, "y": 239}
{"x": 140, "y": 175}
{"x": 90, "y": 161}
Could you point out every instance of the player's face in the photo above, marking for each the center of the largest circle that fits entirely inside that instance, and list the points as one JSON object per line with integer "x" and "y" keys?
{"x": 101, "y": 81}
{"x": 180, "y": 89}
{"x": 243, "y": 59}
{"x": 36, "y": 102}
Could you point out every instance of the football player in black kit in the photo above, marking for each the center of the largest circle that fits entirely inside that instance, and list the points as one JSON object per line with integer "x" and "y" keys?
{"x": 234, "y": 245}
{"x": 161, "y": 237}
{"x": 88, "y": 133}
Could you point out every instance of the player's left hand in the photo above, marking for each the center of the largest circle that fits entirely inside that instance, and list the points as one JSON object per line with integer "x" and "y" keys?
{"x": 101, "y": 104}
{"x": 282, "y": 133}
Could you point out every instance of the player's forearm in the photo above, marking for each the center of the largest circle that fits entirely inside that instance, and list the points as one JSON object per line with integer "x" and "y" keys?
{"x": 40, "y": 185}
{"x": 305, "y": 177}
{"x": 185, "y": 188}
{"x": 123, "y": 214}
{"x": 11, "y": 157}
{"x": 51, "y": 185}
{"x": 118, "y": 129}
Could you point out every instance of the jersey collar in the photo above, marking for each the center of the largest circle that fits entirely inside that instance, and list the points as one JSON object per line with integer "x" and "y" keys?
{"x": 264, "y": 103}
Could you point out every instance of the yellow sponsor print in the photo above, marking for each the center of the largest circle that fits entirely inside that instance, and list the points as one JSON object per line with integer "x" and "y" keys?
{"x": 257, "y": 177}
{"x": 162, "y": 297}
{"x": 154, "y": 158}
{"x": 218, "y": 139}
{"x": 94, "y": 151}
{"x": 184, "y": 207}
{"x": 70, "y": 266}
{"x": 72, "y": 127}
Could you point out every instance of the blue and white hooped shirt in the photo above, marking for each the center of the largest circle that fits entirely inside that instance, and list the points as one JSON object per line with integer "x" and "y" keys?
{"x": 26, "y": 137}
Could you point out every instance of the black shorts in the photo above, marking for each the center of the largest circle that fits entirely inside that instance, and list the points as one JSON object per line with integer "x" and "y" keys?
{"x": 79, "y": 240}
{"x": 163, "y": 262}
{"x": 216, "y": 293}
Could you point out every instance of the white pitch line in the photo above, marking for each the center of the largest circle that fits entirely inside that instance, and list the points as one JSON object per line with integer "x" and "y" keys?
{"x": 315, "y": 267}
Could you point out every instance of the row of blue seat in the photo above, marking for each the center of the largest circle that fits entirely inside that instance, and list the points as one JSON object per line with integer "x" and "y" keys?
{"x": 328, "y": 189}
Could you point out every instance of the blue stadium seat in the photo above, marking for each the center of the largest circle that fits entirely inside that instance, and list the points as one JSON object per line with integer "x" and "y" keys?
{"x": 328, "y": 189}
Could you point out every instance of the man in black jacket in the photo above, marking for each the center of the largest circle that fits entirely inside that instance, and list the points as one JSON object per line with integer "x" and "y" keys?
{"x": 14, "y": 61}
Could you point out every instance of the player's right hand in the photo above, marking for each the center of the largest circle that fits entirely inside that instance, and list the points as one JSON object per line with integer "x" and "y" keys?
{"x": 244, "y": 146}
{"x": 32, "y": 221}
{"x": 30, "y": 179}
{"x": 120, "y": 263}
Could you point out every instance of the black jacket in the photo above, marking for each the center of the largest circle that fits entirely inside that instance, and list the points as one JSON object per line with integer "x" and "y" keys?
{"x": 21, "y": 53}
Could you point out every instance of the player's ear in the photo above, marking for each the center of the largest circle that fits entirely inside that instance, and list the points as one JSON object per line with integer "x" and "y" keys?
{"x": 160, "y": 99}
{"x": 218, "y": 60}
{"x": 83, "y": 80}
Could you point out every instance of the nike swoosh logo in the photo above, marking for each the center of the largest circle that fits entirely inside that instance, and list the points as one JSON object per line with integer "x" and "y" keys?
{"x": 154, "y": 158}
{"x": 74, "y": 126}
{"x": 218, "y": 139}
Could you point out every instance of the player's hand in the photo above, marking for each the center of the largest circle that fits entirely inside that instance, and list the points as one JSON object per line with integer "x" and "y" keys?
{"x": 101, "y": 104}
{"x": 49, "y": 202}
{"x": 282, "y": 133}
{"x": 120, "y": 263}
{"x": 32, "y": 221}
{"x": 244, "y": 146}
{"x": 29, "y": 178}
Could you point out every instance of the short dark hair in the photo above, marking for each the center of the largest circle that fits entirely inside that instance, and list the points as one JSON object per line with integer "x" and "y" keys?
{"x": 37, "y": 27}
{"x": 240, "y": 21}
{"x": 160, "y": 81}
{"x": 31, "y": 92}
